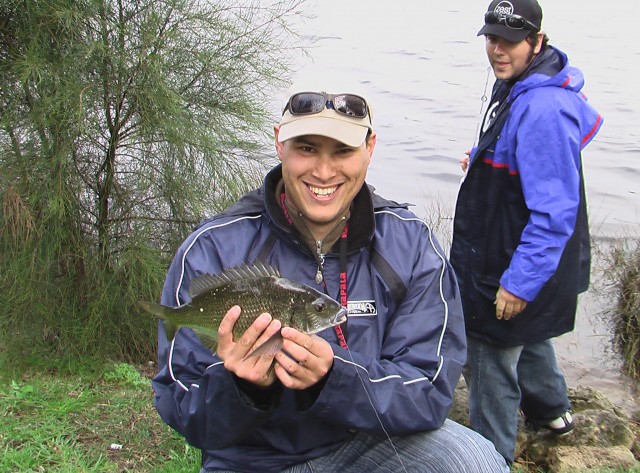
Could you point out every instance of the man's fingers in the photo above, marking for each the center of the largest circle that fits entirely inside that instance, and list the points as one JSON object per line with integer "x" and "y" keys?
{"x": 511, "y": 309}
{"x": 257, "y": 328}
{"x": 225, "y": 329}
{"x": 507, "y": 314}
{"x": 306, "y": 341}
{"x": 258, "y": 369}
{"x": 308, "y": 344}
{"x": 271, "y": 329}
{"x": 261, "y": 329}
{"x": 500, "y": 308}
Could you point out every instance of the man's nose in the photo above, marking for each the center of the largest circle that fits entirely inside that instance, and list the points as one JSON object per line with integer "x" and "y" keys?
{"x": 324, "y": 166}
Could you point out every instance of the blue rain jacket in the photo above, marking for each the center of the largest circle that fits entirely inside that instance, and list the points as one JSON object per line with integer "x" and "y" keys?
{"x": 405, "y": 356}
{"x": 521, "y": 219}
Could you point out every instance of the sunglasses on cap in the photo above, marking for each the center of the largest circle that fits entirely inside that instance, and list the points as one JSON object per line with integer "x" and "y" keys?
{"x": 515, "y": 22}
{"x": 307, "y": 103}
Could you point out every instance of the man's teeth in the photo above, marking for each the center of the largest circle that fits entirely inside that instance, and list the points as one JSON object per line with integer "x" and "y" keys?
{"x": 322, "y": 192}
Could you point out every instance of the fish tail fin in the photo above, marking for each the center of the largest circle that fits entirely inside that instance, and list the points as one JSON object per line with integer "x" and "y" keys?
{"x": 154, "y": 309}
{"x": 270, "y": 347}
{"x": 161, "y": 312}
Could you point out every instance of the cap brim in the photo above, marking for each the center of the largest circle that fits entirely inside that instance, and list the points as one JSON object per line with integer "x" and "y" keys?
{"x": 502, "y": 31}
{"x": 326, "y": 123}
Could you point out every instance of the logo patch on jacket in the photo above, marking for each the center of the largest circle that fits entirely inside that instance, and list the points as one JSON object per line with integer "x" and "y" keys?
{"x": 362, "y": 308}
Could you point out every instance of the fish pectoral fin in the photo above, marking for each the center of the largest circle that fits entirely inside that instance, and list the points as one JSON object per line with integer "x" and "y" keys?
{"x": 270, "y": 347}
{"x": 208, "y": 337}
{"x": 169, "y": 328}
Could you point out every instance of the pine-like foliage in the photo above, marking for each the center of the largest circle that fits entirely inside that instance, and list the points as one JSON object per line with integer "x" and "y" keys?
{"x": 122, "y": 123}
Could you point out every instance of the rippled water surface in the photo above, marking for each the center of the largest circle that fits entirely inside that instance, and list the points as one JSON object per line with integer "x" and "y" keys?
{"x": 425, "y": 72}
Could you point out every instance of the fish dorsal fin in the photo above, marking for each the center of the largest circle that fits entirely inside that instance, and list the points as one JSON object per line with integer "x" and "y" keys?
{"x": 206, "y": 282}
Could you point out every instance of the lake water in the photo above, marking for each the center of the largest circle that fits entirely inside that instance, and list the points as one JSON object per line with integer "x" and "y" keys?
{"x": 425, "y": 71}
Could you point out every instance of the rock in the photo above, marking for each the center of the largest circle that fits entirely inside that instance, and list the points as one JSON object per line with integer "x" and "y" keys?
{"x": 584, "y": 458}
{"x": 460, "y": 410}
{"x": 604, "y": 437}
{"x": 585, "y": 397}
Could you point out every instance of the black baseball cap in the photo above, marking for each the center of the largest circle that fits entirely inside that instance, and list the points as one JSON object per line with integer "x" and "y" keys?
{"x": 528, "y": 9}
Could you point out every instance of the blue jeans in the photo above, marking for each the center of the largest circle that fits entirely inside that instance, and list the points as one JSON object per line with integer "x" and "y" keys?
{"x": 503, "y": 380}
{"x": 452, "y": 448}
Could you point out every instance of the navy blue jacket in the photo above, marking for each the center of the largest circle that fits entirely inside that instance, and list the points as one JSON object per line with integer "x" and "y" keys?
{"x": 404, "y": 359}
{"x": 521, "y": 218}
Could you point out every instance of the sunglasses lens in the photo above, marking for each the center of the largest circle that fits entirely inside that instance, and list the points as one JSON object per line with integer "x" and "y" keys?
{"x": 306, "y": 103}
{"x": 309, "y": 102}
{"x": 491, "y": 18}
{"x": 514, "y": 22}
{"x": 350, "y": 105}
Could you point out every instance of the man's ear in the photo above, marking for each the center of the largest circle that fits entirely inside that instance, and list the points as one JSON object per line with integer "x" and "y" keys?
{"x": 538, "y": 47}
{"x": 371, "y": 144}
{"x": 279, "y": 145}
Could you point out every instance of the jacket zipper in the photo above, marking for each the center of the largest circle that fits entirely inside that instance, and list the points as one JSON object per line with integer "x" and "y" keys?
{"x": 320, "y": 255}
{"x": 320, "y": 258}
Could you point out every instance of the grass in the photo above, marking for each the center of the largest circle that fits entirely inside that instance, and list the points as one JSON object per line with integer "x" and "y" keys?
{"x": 99, "y": 420}
{"x": 622, "y": 276}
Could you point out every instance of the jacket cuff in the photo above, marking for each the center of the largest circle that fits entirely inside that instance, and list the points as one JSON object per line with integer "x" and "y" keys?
{"x": 306, "y": 398}
{"x": 263, "y": 399}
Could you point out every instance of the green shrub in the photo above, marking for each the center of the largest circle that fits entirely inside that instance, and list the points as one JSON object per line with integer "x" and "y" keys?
{"x": 622, "y": 275}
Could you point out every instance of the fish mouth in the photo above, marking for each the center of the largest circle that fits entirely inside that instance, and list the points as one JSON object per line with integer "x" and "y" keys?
{"x": 340, "y": 317}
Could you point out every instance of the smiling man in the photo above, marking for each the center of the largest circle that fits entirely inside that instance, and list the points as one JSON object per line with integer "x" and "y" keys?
{"x": 521, "y": 236}
{"x": 323, "y": 173}
{"x": 370, "y": 395}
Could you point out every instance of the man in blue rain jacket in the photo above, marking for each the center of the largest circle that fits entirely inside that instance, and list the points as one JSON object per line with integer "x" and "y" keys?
{"x": 521, "y": 238}
{"x": 372, "y": 395}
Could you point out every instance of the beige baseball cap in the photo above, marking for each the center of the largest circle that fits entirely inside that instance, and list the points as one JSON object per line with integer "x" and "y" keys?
{"x": 349, "y": 130}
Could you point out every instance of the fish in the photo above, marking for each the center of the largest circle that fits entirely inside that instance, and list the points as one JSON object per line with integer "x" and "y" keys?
{"x": 257, "y": 288}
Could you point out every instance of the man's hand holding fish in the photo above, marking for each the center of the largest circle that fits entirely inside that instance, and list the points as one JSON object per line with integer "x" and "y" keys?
{"x": 254, "y": 369}
{"x": 304, "y": 360}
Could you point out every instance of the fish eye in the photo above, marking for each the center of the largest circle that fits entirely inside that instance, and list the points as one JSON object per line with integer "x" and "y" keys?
{"x": 320, "y": 306}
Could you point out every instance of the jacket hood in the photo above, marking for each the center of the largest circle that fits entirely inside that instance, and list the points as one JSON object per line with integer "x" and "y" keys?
{"x": 549, "y": 69}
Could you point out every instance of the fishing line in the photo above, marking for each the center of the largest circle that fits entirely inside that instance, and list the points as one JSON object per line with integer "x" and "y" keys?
{"x": 483, "y": 101}
{"x": 342, "y": 334}
{"x": 355, "y": 366}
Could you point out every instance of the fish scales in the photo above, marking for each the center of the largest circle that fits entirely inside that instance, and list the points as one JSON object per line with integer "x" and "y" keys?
{"x": 257, "y": 289}
{"x": 254, "y": 295}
